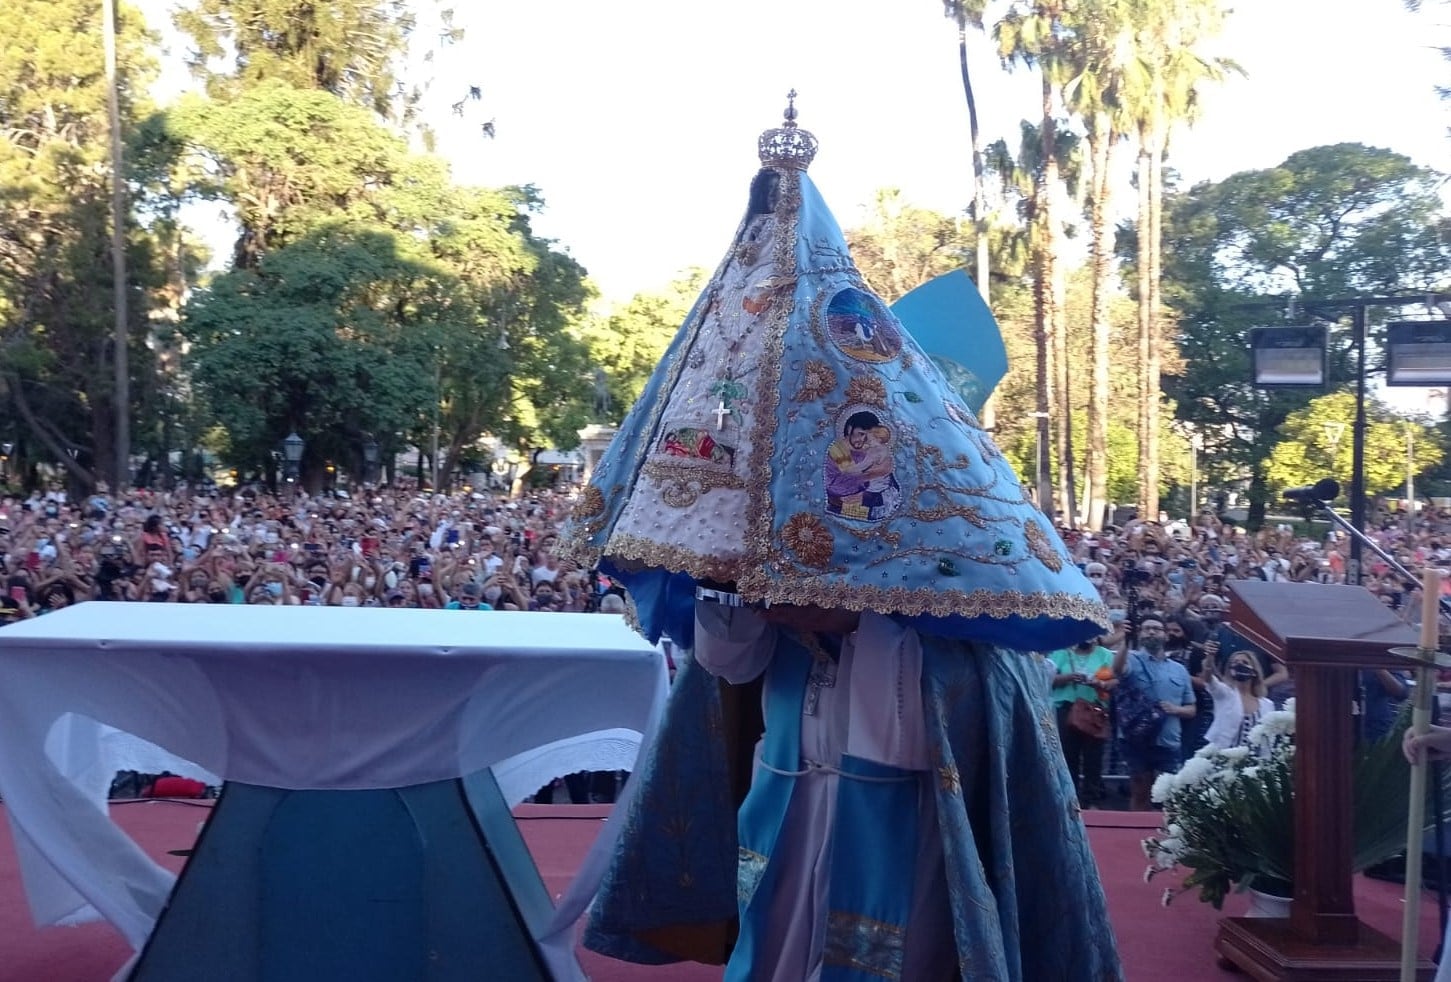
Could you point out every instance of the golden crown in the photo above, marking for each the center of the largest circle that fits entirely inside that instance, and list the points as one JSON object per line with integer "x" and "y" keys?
{"x": 787, "y": 145}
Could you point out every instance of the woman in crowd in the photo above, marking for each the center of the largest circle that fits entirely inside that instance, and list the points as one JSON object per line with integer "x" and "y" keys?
{"x": 1239, "y": 703}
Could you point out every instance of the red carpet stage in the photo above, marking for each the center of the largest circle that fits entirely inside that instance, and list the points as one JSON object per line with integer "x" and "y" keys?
{"x": 1156, "y": 943}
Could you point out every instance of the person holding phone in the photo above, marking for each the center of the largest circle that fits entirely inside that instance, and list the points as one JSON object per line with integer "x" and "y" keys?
{"x": 15, "y": 603}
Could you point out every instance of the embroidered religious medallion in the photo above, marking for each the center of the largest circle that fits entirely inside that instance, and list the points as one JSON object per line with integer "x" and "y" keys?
{"x": 861, "y": 474}
{"x": 861, "y": 328}
{"x": 696, "y": 444}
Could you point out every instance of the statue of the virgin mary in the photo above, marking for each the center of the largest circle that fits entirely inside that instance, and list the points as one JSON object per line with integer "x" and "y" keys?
{"x": 804, "y": 498}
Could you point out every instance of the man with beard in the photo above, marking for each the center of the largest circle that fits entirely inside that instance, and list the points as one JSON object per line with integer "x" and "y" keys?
{"x": 1150, "y": 667}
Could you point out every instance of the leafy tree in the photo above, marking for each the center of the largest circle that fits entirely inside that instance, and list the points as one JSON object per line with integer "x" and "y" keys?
{"x": 1317, "y": 443}
{"x": 333, "y": 337}
{"x": 287, "y": 159}
{"x": 1330, "y": 223}
{"x": 900, "y": 246}
{"x": 628, "y": 344}
{"x": 351, "y": 49}
{"x": 56, "y": 304}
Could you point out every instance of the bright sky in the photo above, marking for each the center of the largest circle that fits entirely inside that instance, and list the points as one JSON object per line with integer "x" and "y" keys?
{"x": 638, "y": 119}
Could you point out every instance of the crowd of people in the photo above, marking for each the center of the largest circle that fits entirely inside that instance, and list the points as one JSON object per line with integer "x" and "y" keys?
{"x": 1163, "y": 582}
{"x": 378, "y": 547}
{"x": 1165, "y": 585}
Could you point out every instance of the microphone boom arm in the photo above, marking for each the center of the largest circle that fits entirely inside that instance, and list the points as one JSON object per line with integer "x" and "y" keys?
{"x": 1339, "y": 520}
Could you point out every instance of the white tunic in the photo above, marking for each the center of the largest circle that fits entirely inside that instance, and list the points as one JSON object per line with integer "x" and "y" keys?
{"x": 874, "y": 712}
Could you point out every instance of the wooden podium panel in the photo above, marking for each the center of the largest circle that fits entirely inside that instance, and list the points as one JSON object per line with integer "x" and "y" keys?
{"x": 1325, "y": 633}
{"x": 1269, "y": 950}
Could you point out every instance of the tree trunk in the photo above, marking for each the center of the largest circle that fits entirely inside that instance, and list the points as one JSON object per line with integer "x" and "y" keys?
{"x": 1054, "y": 276}
{"x": 1152, "y": 405}
{"x": 979, "y": 198}
{"x": 1141, "y": 415}
{"x": 1100, "y": 142}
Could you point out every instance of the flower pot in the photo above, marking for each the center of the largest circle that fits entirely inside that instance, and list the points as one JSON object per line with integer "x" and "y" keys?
{"x": 1267, "y": 905}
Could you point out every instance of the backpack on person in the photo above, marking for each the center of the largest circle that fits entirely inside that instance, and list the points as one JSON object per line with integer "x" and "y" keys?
{"x": 1139, "y": 713}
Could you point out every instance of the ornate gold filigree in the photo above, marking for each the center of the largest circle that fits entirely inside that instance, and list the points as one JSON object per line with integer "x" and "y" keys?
{"x": 1041, "y": 547}
{"x": 681, "y": 484}
{"x": 634, "y": 551}
{"x": 969, "y": 513}
{"x": 867, "y": 389}
{"x": 806, "y": 590}
{"x": 809, "y": 538}
{"x": 875, "y": 534}
{"x": 591, "y": 503}
{"x": 865, "y": 945}
{"x": 817, "y": 381}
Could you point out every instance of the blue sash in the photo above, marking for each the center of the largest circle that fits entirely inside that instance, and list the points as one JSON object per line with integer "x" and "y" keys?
{"x": 874, "y": 842}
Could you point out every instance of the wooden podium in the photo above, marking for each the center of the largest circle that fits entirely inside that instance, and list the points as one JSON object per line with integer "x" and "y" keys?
{"x": 1324, "y": 633}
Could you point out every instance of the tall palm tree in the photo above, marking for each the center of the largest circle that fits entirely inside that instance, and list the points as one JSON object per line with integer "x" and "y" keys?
{"x": 1022, "y": 178}
{"x": 1099, "y": 48}
{"x": 1161, "y": 90}
{"x": 968, "y": 14}
{"x": 1029, "y": 33}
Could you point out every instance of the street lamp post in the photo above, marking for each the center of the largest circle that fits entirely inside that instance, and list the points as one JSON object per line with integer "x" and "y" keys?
{"x": 292, "y": 455}
{"x": 1418, "y": 353}
{"x": 370, "y": 461}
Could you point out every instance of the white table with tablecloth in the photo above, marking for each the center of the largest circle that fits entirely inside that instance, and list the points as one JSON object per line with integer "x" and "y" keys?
{"x": 302, "y": 698}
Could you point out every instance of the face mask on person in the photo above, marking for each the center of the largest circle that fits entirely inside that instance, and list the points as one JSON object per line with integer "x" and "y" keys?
{"x": 370, "y": 581}
{"x": 1153, "y": 644}
{"x": 491, "y": 595}
{"x": 1242, "y": 673}
{"x": 274, "y": 588}
{"x": 350, "y": 601}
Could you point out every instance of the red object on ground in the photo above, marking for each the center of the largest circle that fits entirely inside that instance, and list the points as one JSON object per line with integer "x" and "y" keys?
{"x": 171, "y": 786}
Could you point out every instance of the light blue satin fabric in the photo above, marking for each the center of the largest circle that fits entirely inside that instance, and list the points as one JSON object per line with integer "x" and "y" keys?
{"x": 952, "y": 545}
{"x": 1026, "y": 901}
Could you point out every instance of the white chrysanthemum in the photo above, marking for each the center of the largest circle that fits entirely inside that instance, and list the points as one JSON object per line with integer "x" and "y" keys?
{"x": 1279, "y": 723}
{"x": 1196, "y": 770}
{"x": 1233, "y": 754}
{"x": 1175, "y": 830}
{"x": 1163, "y": 784}
{"x": 1251, "y": 772}
{"x": 1167, "y": 898}
{"x": 1290, "y": 705}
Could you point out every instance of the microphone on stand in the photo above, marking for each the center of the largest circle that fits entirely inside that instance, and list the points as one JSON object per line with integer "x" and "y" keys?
{"x": 1327, "y": 489}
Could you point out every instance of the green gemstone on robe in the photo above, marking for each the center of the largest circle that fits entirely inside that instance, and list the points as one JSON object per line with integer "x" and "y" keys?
{"x": 1003, "y": 547}
{"x": 946, "y": 567}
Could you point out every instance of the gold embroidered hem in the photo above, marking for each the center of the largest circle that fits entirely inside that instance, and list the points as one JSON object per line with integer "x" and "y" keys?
{"x": 866, "y": 945}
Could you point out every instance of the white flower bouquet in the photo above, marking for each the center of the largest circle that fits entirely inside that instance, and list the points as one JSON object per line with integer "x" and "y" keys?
{"x": 1229, "y": 814}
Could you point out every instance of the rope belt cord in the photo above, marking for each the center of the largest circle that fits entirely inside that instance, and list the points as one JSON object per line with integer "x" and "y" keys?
{"x": 817, "y": 767}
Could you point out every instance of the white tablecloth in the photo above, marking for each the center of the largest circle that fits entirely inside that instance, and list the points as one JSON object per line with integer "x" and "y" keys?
{"x": 293, "y": 697}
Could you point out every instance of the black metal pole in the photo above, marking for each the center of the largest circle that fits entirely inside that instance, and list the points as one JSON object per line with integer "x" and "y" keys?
{"x": 1353, "y": 568}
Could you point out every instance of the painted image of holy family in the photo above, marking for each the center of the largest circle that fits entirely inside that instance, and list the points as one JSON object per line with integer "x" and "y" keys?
{"x": 861, "y": 480}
